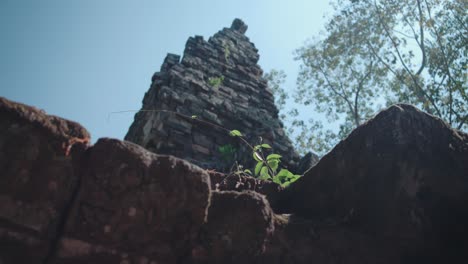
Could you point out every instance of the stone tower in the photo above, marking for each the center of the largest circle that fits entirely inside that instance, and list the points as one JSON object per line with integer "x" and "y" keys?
{"x": 219, "y": 81}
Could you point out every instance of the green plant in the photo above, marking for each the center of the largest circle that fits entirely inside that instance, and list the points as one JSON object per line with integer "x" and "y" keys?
{"x": 266, "y": 168}
{"x": 227, "y": 152}
{"x": 215, "y": 82}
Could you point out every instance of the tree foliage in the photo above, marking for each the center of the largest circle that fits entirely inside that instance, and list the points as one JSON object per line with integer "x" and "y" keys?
{"x": 276, "y": 79}
{"x": 379, "y": 52}
{"x": 297, "y": 129}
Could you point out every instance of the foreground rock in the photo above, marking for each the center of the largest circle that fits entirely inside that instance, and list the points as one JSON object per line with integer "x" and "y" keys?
{"x": 135, "y": 205}
{"x": 301, "y": 240}
{"x": 395, "y": 191}
{"x": 240, "y": 183}
{"x": 239, "y": 224}
{"x": 37, "y": 180}
{"x": 401, "y": 178}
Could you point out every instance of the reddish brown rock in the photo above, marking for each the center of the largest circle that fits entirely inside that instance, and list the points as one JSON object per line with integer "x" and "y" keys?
{"x": 402, "y": 176}
{"x": 239, "y": 224}
{"x": 135, "y": 204}
{"x": 239, "y": 183}
{"x": 302, "y": 241}
{"x": 395, "y": 191}
{"x": 37, "y": 179}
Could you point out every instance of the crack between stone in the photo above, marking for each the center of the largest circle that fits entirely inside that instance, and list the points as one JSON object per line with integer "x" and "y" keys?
{"x": 67, "y": 210}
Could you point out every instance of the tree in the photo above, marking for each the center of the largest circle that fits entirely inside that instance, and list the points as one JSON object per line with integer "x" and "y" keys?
{"x": 387, "y": 51}
{"x": 276, "y": 79}
{"x": 297, "y": 129}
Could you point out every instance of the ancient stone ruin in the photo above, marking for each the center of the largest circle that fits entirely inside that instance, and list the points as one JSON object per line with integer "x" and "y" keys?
{"x": 219, "y": 81}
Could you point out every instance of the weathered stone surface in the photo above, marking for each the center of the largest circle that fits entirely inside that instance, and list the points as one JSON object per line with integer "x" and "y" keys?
{"x": 301, "y": 241}
{"x": 402, "y": 176}
{"x": 240, "y": 183}
{"x": 239, "y": 25}
{"x": 137, "y": 204}
{"x": 239, "y": 224}
{"x": 37, "y": 179}
{"x": 307, "y": 162}
{"x": 242, "y": 101}
{"x": 394, "y": 191}
{"x": 21, "y": 245}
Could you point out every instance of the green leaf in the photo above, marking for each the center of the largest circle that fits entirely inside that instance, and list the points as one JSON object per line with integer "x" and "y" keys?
{"x": 281, "y": 177}
{"x": 248, "y": 171}
{"x": 257, "y": 147}
{"x": 194, "y": 117}
{"x": 273, "y": 156}
{"x": 287, "y": 183}
{"x": 215, "y": 82}
{"x": 273, "y": 164}
{"x": 285, "y": 177}
{"x": 266, "y": 146}
{"x": 235, "y": 133}
{"x": 258, "y": 167}
{"x": 284, "y": 174}
{"x": 276, "y": 180}
{"x": 295, "y": 178}
{"x": 264, "y": 175}
{"x": 256, "y": 156}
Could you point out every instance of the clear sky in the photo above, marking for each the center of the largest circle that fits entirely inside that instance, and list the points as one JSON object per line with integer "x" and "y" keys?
{"x": 83, "y": 59}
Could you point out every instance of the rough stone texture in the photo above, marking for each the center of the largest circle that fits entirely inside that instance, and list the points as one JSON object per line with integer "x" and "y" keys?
{"x": 239, "y": 224}
{"x": 239, "y": 183}
{"x": 37, "y": 179}
{"x": 136, "y": 203}
{"x": 402, "y": 177}
{"x": 243, "y": 101}
{"x": 239, "y": 26}
{"x": 302, "y": 241}
{"x": 307, "y": 162}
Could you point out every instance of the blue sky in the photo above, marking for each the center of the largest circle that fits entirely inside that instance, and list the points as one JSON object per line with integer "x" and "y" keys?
{"x": 83, "y": 59}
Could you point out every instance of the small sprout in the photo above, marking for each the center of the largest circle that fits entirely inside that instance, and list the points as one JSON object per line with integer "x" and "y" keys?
{"x": 215, "y": 82}
{"x": 235, "y": 133}
{"x": 266, "y": 168}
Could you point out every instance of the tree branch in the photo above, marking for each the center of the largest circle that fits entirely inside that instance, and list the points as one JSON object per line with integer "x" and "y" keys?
{"x": 425, "y": 98}
{"x": 343, "y": 96}
{"x": 421, "y": 45}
